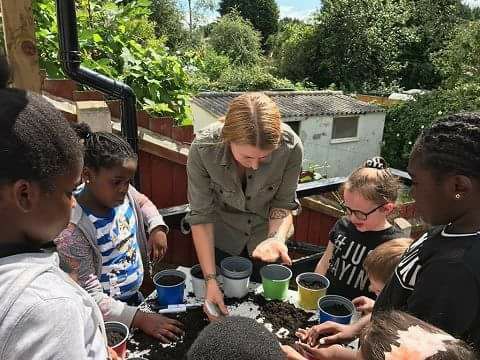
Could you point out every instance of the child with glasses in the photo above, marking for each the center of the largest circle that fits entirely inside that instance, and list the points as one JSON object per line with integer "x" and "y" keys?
{"x": 369, "y": 195}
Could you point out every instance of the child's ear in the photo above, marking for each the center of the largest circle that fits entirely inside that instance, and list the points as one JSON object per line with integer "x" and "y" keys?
{"x": 462, "y": 186}
{"x": 26, "y": 194}
{"x": 388, "y": 208}
{"x": 87, "y": 175}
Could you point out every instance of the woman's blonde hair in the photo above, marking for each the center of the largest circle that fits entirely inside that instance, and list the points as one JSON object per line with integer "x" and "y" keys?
{"x": 253, "y": 119}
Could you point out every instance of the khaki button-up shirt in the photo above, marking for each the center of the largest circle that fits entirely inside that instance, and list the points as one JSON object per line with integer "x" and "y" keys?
{"x": 216, "y": 195}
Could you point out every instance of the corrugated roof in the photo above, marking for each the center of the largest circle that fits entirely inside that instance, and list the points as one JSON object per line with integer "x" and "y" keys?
{"x": 292, "y": 103}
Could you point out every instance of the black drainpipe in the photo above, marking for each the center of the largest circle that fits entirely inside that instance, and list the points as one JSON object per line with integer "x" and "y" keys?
{"x": 71, "y": 61}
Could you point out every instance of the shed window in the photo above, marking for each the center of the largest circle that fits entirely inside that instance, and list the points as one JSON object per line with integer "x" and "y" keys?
{"x": 345, "y": 127}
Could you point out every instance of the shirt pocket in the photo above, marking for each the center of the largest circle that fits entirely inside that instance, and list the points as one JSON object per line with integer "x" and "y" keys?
{"x": 268, "y": 191}
{"x": 223, "y": 194}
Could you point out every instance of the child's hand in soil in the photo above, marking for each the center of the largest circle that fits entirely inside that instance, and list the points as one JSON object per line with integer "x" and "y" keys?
{"x": 157, "y": 242}
{"x": 214, "y": 295}
{"x": 292, "y": 354}
{"x": 364, "y": 304}
{"x": 271, "y": 250}
{"x": 158, "y": 326}
{"x": 323, "y": 353}
{"x": 326, "y": 334}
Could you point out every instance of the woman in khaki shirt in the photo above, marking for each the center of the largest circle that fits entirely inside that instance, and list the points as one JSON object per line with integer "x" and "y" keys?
{"x": 242, "y": 179}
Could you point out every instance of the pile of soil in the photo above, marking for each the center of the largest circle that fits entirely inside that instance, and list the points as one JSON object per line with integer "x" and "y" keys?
{"x": 280, "y": 315}
{"x": 114, "y": 337}
{"x": 194, "y": 321}
{"x": 313, "y": 284}
{"x": 170, "y": 280}
{"x": 336, "y": 309}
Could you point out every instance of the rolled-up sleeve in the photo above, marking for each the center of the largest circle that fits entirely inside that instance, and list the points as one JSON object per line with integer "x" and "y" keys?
{"x": 200, "y": 194}
{"x": 286, "y": 196}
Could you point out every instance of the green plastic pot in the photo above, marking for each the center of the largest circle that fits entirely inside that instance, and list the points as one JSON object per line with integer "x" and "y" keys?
{"x": 275, "y": 281}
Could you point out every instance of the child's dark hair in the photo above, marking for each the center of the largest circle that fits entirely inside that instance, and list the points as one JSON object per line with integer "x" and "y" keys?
{"x": 374, "y": 181}
{"x": 103, "y": 149}
{"x": 396, "y": 333}
{"x": 451, "y": 145}
{"x": 235, "y": 337}
{"x": 36, "y": 142}
{"x": 382, "y": 261}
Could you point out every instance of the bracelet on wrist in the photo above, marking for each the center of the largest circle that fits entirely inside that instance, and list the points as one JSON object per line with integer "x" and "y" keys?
{"x": 209, "y": 277}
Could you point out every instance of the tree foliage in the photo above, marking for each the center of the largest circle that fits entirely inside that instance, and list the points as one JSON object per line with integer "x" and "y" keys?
{"x": 405, "y": 121}
{"x": 263, "y": 14}
{"x": 236, "y": 38}
{"x": 459, "y": 61}
{"x": 168, "y": 20}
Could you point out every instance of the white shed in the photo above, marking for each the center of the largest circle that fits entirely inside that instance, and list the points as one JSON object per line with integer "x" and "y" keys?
{"x": 335, "y": 129}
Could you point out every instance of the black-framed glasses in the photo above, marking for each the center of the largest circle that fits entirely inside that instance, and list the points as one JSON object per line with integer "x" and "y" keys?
{"x": 358, "y": 213}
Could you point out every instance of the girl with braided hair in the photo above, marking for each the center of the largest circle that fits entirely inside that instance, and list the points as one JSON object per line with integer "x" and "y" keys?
{"x": 114, "y": 232}
{"x": 369, "y": 196}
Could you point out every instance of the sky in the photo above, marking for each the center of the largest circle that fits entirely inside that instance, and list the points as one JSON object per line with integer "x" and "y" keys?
{"x": 302, "y": 9}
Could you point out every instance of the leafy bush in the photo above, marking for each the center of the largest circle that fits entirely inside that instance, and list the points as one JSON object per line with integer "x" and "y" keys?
{"x": 263, "y": 14}
{"x": 249, "y": 79}
{"x": 405, "y": 121}
{"x": 236, "y": 38}
{"x": 119, "y": 41}
{"x": 459, "y": 62}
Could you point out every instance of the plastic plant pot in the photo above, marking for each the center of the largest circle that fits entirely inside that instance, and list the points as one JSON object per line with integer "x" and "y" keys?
{"x": 170, "y": 285}
{"x": 236, "y": 272}
{"x": 120, "y": 346}
{"x": 311, "y": 288}
{"x": 335, "y": 308}
{"x": 198, "y": 282}
{"x": 275, "y": 281}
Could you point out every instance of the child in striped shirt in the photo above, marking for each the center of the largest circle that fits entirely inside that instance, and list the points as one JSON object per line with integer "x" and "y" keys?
{"x": 107, "y": 235}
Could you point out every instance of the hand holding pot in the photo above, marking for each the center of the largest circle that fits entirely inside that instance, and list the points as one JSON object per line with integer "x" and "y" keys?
{"x": 158, "y": 326}
{"x": 214, "y": 295}
{"x": 112, "y": 355}
{"x": 271, "y": 250}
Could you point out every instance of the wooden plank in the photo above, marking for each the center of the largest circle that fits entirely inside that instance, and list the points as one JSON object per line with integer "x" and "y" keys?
{"x": 162, "y": 182}
{"x": 301, "y": 225}
{"x": 21, "y": 50}
{"x": 145, "y": 168}
{"x": 180, "y": 181}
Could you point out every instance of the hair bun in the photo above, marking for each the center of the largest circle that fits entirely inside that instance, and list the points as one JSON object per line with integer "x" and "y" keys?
{"x": 376, "y": 162}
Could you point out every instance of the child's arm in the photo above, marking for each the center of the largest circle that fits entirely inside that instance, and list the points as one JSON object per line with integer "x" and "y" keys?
{"x": 157, "y": 229}
{"x": 150, "y": 213}
{"x": 77, "y": 259}
{"x": 324, "y": 262}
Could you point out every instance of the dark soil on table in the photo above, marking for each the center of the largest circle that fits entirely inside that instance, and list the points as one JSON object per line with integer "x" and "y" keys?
{"x": 336, "y": 310}
{"x": 279, "y": 314}
{"x": 313, "y": 284}
{"x": 114, "y": 337}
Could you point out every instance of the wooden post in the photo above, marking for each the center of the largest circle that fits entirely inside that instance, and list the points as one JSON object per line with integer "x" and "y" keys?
{"x": 21, "y": 51}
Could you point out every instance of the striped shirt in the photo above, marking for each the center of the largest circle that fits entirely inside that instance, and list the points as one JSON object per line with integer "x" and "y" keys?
{"x": 122, "y": 268}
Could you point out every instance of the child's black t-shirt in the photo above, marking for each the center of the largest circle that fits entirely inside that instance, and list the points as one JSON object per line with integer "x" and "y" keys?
{"x": 345, "y": 272}
{"x": 438, "y": 281}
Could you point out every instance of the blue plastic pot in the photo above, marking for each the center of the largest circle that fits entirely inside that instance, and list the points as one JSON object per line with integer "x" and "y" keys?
{"x": 327, "y": 303}
{"x": 170, "y": 294}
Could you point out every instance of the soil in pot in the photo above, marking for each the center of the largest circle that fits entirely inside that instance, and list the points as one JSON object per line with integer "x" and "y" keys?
{"x": 336, "y": 309}
{"x": 198, "y": 273}
{"x": 114, "y": 337}
{"x": 313, "y": 284}
{"x": 170, "y": 280}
